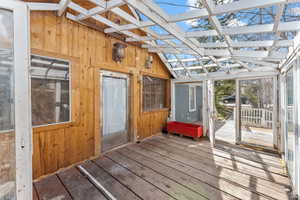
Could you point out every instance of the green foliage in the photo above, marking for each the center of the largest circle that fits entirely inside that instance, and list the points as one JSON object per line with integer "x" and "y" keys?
{"x": 222, "y": 89}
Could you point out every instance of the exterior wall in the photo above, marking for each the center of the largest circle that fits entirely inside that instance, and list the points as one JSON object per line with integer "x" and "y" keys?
{"x": 61, "y": 145}
{"x": 182, "y": 112}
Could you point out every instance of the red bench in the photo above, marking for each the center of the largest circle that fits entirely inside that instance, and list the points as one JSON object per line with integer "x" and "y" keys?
{"x": 186, "y": 129}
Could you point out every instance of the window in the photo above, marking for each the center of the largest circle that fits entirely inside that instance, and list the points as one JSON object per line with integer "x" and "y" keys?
{"x": 154, "y": 92}
{"x": 50, "y": 90}
{"x": 192, "y": 98}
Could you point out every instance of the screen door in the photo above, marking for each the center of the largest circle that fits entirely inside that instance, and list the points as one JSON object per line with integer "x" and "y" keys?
{"x": 115, "y": 110}
{"x": 15, "y": 120}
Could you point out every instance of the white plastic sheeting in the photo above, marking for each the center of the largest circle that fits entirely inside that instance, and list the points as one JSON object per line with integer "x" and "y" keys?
{"x": 115, "y": 112}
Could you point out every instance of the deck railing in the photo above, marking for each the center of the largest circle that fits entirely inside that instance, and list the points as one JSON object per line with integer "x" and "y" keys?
{"x": 257, "y": 117}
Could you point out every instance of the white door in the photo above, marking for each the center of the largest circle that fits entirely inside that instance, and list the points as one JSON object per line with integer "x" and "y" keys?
{"x": 115, "y": 110}
{"x": 15, "y": 112}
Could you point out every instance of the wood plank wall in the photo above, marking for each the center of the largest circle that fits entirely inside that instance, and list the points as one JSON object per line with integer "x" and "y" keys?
{"x": 58, "y": 146}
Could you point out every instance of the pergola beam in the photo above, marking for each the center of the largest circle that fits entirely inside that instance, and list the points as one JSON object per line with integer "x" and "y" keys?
{"x": 253, "y": 29}
{"x": 63, "y": 5}
{"x": 253, "y": 44}
{"x": 106, "y": 6}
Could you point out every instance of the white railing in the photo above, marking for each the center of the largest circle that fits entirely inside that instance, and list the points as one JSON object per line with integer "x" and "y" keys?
{"x": 257, "y": 117}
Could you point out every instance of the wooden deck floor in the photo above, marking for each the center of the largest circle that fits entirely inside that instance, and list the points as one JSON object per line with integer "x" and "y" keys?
{"x": 172, "y": 168}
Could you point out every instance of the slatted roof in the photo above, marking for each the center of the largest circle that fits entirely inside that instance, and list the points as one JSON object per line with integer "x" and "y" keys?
{"x": 244, "y": 43}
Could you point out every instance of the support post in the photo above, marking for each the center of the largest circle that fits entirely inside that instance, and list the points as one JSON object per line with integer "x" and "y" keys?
{"x": 237, "y": 113}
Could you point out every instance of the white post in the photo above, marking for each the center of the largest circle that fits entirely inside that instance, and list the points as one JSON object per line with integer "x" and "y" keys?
{"x": 237, "y": 113}
{"x": 172, "y": 115}
{"x": 22, "y": 101}
{"x": 211, "y": 111}
{"x": 205, "y": 117}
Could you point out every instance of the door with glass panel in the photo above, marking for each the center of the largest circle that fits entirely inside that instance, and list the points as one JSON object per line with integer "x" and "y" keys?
{"x": 15, "y": 128}
{"x": 115, "y": 110}
{"x": 257, "y": 112}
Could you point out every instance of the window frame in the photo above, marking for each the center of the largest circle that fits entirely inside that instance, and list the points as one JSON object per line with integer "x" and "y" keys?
{"x": 165, "y": 106}
{"x": 195, "y": 98}
{"x": 70, "y": 89}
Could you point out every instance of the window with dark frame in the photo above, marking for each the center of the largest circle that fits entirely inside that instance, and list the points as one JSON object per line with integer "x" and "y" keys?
{"x": 50, "y": 90}
{"x": 154, "y": 93}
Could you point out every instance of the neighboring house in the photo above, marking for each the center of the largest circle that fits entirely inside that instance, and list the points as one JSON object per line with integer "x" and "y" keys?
{"x": 188, "y": 103}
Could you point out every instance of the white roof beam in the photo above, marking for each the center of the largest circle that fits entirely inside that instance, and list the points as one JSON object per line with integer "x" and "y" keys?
{"x": 244, "y": 5}
{"x": 43, "y": 6}
{"x": 100, "y": 9}
{"x": 173, "y": 29}
{"x": 264, "y": 28}
{"x": 225, "y": 52}
{"x": 262, "y": 63}
{"x": 63, "y": 5}
{"x": 99, "y": 18}
{"x": 218, "y": 10}
{"x": 280, "y": 9}
{"x": 254, "y": 44}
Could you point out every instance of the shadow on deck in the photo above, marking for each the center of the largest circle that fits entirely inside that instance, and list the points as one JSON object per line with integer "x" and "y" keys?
{"x": 172, "y": 168}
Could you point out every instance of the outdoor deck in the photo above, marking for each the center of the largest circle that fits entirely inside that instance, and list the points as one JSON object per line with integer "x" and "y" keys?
{"x": 172, "y": 168}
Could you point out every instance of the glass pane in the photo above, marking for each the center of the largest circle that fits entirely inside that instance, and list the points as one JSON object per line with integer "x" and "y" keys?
{"x": 225, "y": 104}
{"x": 153, "y": 93}
{"x": 256, "y": 114}
{"x": 50, "y": 91}
{"x": 7, "y": 133}
{"x": 290, "y": 136}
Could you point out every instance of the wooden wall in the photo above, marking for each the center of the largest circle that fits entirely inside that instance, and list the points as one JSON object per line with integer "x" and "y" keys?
{"x": 58, "y": 146}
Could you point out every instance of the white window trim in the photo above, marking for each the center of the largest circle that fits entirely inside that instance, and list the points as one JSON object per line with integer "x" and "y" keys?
{"x": 195, "y": 102}
{"x": 70, "y": 91}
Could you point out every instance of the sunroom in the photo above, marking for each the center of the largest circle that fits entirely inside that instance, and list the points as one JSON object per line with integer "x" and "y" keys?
{"x": 99, "y": 99}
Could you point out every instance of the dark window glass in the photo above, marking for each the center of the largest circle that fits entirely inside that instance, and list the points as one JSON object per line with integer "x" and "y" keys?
{"x": 154, "y": 93}
{"x": 50, "y": 91}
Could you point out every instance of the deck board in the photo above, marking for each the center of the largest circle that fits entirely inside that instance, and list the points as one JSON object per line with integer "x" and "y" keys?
{"x": 230, "y": 155}
{"x": 79, "y": 186}
{"x": 218, "y": 157}
{"x": 173, "y": 168}
{"x": 230, "y": 182}
{"x": 34, "y": 194}
{"x": 137, "y": 184}
{"x": 51, "y": 188}
{"x": 174, "y": 189}
{"x": 118, "y": 190}
{"x": 185, "y": 178}
{"x": 226, "y": 164}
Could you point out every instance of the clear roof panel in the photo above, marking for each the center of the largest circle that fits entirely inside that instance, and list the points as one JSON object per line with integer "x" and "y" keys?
{"x": 291, "y": 12}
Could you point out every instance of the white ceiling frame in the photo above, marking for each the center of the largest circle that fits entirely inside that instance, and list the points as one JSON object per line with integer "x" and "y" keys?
{"x": 43, "y": 6}
{"x": 190, "y": 45}
{"x": 209, "y": 5}
{"x": 203, "y": 13}
{"x": 131, "y": 19}
{"x": 157, "y": 15}
{"x": 207, "y": 66}
{"x": 253, "y": 29}
{"x": 261, "y": 63}
{"x": 106, "y": 6}
{"x": 63, "y": 5}
{"x": 254, "y": 44}
{"x": 223, "y": 52}
{"x": 280, "y": 10}
{"x": 99, "y": 18}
